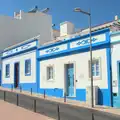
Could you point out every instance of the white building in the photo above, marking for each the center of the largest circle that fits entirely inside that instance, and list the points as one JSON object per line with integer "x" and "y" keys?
{"x": 65, "y": 68}
{"x": 115, "y": 59}
{"x": 62, "y": 67}
{"x": 24, "y": 26}
{"x": 19, "y": 66}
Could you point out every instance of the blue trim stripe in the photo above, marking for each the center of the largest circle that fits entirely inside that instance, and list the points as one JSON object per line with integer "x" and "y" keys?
{"x": 25, "y": 43}
{"x": 21, "y": 52}
{"x": 108, "y": 51}
{"x": 37, "y": 70}
{"x": 77, "y": 49}
{"x": 73, "y": 39}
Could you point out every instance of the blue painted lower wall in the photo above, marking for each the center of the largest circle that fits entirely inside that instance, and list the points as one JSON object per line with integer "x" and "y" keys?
{"x": 28, "y": 86}
{"x": 103, "y": 97}
{"x": 80, "y": 95}
{"x": 52, "y": 92}
{"x": 7, "y": 85}
{"x": 24, "y": 86}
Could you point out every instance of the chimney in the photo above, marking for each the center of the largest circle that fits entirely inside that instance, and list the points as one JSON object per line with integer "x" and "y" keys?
{"x": 116, "y": 18}
{"x": 17, "y": 15}
{"x": 66, "y": 28}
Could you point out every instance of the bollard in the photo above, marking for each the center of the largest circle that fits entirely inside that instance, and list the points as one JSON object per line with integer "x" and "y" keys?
{"x": 58, "y": 111}
{"x": 20, "y": 88}
{"x": 4, "y": 95}
{"x": 44, "y": 93}
{"x": 31, "y": 91}
{"x": 92, "y": 116}
{"x": 34, "y": 105}
{"x": 17, "y": 103}
{"x": 64, "y": 97}
{"x": 11, "y": 87}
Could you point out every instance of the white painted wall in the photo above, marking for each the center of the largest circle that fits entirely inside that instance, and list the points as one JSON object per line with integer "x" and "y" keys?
{"x": 115, "y": 54}
{"x": 20, "y": 58}
{"x": 115, "y": 38}
{"x": 81, "y": 70}
{"x": 13, "y": 31}
{"x": 66, "y": 28}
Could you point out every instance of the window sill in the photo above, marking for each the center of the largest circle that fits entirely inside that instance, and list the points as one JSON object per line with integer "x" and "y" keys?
{"x": 95, "y": 78}
{"x": 29, "y": 74}
{"x": 71, "y": 96}
{"x": 7, "y": 77}
{"x": 50, "y": 80}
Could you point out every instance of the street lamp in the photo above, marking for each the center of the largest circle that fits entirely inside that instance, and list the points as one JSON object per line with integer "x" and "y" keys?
{"x": 91, "y": 74}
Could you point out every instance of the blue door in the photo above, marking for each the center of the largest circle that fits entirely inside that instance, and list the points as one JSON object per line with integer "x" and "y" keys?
{"x": 16, "y": 75}
{"x": 70, "y": 79}
{"x": 116, "y": 96}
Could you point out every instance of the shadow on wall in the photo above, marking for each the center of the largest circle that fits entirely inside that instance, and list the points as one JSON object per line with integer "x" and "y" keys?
{"x": 100, "y": 97}
{"x": 104, "y": 97}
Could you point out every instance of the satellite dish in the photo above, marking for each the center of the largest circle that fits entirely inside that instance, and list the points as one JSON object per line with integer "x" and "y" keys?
{"x": 45, "y": 10}
{"x": 34, "y": 10}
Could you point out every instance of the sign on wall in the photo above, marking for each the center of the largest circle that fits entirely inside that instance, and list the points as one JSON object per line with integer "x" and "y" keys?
{"x": 55, "y": 49}
{"x": 19, "y": 49}
{"x": 86, "y": 41}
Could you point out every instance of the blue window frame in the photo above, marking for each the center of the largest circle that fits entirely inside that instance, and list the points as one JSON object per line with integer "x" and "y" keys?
{"x": 7, "y": 70}
{"x": 28, "y": 67}
{"x": 95, "y": 68}
{"x": 50, "y": 73}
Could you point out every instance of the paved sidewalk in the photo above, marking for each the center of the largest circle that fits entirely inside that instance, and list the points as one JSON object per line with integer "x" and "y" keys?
{"x": 12, "y": 112}
{"x": 71, "y": 102}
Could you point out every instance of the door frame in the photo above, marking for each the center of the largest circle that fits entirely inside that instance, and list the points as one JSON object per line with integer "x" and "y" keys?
{"x": 14, "y": 74}
{"x": 118, "y": 76}
{"x": 74, "y": 69}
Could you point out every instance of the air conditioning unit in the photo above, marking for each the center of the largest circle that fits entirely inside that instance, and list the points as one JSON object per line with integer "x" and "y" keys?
{"x": 95, "y": 95}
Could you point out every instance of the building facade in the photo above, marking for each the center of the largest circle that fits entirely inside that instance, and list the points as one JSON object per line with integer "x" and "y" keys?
{"x": 61, "y": 68}
{"x": 19, "y": 66}
{"x": 115, "y": 60}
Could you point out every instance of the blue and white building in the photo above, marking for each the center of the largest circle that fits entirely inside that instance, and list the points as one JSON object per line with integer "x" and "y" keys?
{"x": 62, "y": 67}
{"x": 115, "y": 61}
{"x": 19, "y": 66}
{"x": 65, "y": 67}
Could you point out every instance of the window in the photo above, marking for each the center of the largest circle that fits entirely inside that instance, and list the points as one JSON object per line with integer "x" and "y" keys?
{"x": 27, "y": 67}
{"x": 50, "y": 73}
{"x": 7, "y": 70}
{"x": 95, "y": 68}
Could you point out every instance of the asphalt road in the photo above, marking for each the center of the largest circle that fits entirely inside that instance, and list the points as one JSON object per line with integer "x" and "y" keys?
{"x": 49, "y": 108}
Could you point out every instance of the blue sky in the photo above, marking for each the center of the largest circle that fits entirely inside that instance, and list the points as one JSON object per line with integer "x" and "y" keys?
{"x": 62, "y": 10}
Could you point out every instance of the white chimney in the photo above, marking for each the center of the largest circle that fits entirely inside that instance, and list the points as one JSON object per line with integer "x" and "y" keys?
{"x": 66, "y": 28}
{"x": 116, "y": 17}
{"x": 17, "y": 15}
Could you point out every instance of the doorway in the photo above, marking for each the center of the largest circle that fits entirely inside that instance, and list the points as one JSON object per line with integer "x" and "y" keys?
{"x": 69, "y": 79}
{"x": 116, "y": 85}
{"x": 16, "y": 74}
